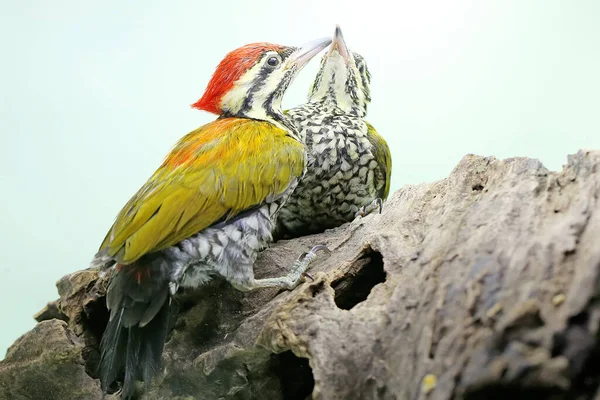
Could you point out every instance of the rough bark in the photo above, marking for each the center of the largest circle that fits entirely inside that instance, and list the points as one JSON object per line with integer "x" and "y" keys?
{"x": 482, "y": 285}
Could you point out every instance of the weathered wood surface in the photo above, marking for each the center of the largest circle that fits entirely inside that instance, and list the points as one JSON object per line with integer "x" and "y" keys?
{"x": 482, "y": 285}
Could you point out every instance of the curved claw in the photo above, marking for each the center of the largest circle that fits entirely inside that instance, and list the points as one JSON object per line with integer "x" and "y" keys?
{"x": 367, "y": 209}
{"x": 302, "y": 256}
{"x": 313, "y": 252}
{"x": 320, "y": 247}
{"x": 309, "y": 276}
{"x": 380, "y": 204}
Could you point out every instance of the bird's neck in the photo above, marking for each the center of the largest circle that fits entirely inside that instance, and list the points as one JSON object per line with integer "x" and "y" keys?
{"x": 331, "y": 101}
{"x": 272, "y": 115}
{"x": 254, "y": 104}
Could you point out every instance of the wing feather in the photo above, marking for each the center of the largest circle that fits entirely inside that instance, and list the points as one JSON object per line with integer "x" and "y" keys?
{"x": 383, "y": 156}
{"x": 214, "y": 172}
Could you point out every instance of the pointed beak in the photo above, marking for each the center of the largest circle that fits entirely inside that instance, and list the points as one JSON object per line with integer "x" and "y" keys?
{"x": 338, "y": 43}
{"x": 304, "y": 53}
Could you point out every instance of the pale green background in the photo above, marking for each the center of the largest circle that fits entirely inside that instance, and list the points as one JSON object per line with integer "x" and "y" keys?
{"x": 94, "y": 93}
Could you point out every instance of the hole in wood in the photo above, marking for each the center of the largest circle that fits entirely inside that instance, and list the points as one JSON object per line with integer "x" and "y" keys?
{"x": 94, "y": 319}
{"x": 295, "y": 376}
{"x": 355, "y": 286}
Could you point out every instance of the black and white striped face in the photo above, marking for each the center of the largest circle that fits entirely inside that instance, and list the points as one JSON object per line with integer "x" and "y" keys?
{"x": 259, "y": 91}
{"x": 343, "y": 82}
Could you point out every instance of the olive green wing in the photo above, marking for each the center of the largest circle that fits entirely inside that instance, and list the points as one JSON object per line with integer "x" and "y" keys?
{"x": 216, "y": 172}
{"x": 382, "y": 154}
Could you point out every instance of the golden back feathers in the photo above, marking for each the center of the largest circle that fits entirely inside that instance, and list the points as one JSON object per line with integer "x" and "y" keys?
{"x": 213, "y": 173}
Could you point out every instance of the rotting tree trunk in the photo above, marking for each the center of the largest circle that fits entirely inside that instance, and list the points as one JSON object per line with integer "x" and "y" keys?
{"x": 482, "y": 285}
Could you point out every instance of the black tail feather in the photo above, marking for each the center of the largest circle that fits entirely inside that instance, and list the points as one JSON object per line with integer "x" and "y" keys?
{"x": 127, "y": 347}
{"x": 144, "y": 350}
{"x": 113, "y": 346}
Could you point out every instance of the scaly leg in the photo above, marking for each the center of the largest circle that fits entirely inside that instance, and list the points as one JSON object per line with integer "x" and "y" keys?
{"x": 376, "y": 204}
{"x": 292, "y": 279}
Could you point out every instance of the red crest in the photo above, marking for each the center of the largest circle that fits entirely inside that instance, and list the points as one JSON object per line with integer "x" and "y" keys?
{"x": 233, "y": 66}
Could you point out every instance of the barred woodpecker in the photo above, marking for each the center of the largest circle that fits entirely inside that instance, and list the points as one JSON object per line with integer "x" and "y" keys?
{"x": 207, "y": 211}
{"x": 349, "y": 163}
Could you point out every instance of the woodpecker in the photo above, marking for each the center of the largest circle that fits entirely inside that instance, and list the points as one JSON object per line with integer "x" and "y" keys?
{"x": 207, "y": 210}
{"x": 349, "y": 163}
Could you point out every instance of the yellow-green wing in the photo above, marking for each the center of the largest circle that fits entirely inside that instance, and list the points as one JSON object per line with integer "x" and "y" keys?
{"x": 382, "y": 154}
{"x": 214, "y": 172}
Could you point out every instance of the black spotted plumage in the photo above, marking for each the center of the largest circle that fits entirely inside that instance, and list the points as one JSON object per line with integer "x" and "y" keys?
{"x": 348, "y": 168}
{"x": 349, "y": 163}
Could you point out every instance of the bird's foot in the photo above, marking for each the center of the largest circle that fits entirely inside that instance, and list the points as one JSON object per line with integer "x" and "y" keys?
{"x": 376, "y": 204}
{"x": 302, "y": 263}
{"x": 306, "y": 258}
{"x": 291, "y": 280}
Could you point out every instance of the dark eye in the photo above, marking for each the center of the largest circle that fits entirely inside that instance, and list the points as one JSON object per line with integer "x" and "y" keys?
{"x": 273, "y": 61}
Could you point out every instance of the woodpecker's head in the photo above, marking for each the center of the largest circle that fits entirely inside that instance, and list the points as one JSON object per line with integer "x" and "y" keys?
{"x": 251, "y": 80}
{"x": 343, "y": 79}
